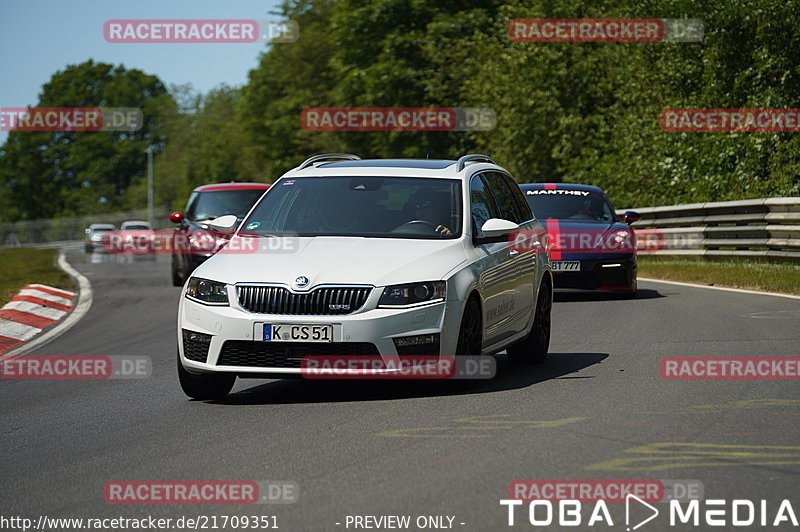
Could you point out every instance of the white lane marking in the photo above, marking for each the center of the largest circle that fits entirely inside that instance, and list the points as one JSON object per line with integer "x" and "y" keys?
{"x": 64, "y": 292}
{"x": 725, "y": 288}
{"x": 78, "y": 312}
{"x": 44, "y": 295}
{"x": 16, "y": 330}
{"x": 34, "y": 308}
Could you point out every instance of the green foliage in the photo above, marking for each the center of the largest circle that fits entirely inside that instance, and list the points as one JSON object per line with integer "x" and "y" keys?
{"x": 59, "y": 173}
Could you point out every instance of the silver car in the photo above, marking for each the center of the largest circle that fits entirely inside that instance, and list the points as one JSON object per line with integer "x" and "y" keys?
{"x": 94, "y": 236}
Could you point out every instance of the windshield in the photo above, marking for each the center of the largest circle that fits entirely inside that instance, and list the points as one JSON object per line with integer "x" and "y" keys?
{"x": 392, "y": 207}
{"x": 212, "y": 204}
{"x": 136, "y": 227}
{"x": 570, "y": 205}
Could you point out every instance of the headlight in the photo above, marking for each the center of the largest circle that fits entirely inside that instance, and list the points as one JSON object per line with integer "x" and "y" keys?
{"x": 620, "y": 239}
{"x": 401, "y": 295}
{"x": 207, "y": 292}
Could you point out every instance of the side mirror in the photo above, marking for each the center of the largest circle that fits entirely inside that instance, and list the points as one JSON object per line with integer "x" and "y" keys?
{"x": 631, "y": 216}
{"x": 223, "y": 223}
{"x": 176, "y": 217}
{"x": 497, "y": 227}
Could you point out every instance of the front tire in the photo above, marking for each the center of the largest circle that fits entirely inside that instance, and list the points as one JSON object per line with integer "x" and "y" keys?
{"x": 470, "y": 339}
{"x": 533, "y": 349}
{"x": 470, "y": 334}
{"x": 203, "y": 387}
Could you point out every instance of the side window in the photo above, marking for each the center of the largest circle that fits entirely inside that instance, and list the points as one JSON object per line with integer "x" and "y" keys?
{"x": 507, "y": 198}
{"x": 522, "y": 204}
{"x": 482, "y": 205}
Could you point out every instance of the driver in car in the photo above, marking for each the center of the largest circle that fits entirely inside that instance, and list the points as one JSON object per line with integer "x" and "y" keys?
{"x": 429, "y": 207}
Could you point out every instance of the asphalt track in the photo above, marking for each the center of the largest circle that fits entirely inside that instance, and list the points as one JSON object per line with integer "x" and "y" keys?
{"x": 397, "y": 448}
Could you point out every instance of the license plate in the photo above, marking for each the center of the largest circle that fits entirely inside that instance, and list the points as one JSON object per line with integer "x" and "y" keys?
{"x": 298, "y": 333}
{"x": 566, "y": 265}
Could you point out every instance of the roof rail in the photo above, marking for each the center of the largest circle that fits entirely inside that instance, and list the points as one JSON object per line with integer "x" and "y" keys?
{"x": 462, "y": 162}
{"x": 326, "y": 157}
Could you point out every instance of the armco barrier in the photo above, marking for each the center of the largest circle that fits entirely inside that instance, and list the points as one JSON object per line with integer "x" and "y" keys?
{"x": 761, "y": 228}
{"x": 51, "y": 232}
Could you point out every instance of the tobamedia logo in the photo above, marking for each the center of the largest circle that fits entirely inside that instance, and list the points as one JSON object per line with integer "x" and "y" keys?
{"x": 598, "y": 503}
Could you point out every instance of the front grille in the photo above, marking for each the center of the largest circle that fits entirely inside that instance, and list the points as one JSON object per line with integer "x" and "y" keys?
{"x": 195, "y": 345}
{"x": 323, "y": 301}
{"x": 286, "y": 354}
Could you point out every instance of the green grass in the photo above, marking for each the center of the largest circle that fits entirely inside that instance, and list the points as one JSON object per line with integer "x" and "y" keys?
{"x": 21, "y": 266}
{"x": 737, "y": 273}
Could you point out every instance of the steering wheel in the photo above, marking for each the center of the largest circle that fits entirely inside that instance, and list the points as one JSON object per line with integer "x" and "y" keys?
{"x": 415, "y": 226}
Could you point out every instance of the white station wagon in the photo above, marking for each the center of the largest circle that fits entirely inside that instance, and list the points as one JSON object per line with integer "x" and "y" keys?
{"x": 383, "y": 258}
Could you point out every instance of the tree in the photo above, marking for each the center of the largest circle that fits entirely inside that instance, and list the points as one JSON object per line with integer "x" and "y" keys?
{"x": 65, "y": 173}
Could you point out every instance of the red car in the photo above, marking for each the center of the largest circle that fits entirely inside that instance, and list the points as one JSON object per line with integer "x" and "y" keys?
{"x": 194, "y": 241}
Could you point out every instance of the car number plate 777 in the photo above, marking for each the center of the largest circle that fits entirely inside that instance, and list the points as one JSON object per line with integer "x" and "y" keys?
{"x": 565, "y": 265}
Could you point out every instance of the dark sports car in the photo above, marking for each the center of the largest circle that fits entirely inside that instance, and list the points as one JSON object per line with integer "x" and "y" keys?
{"x": 591, "y": 248}
{"x": 194, "y": 240}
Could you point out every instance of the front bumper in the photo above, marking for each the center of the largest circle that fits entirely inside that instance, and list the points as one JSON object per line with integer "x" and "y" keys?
{"x": 600, "y": 274}
{"x": 230, "y": 334}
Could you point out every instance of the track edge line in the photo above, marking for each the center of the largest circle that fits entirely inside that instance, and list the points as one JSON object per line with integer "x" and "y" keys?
{"x": 78, "y": 311}
{"x": 724, "y": 288}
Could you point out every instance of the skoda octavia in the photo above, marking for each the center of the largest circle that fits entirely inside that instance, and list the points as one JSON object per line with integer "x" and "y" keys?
{"x": 349, "y": 257}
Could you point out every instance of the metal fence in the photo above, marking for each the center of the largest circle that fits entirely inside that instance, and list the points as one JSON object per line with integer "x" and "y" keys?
{"x": 54, "y": 231}
{"x": 760, "y": 228}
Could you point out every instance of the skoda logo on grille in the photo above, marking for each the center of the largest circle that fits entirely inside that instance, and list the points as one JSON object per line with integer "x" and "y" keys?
{"x": 301, "y": 281}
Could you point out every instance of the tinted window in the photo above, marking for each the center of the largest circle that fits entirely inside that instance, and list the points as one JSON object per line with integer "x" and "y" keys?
{"x": 390, "y": 207}
{"x": 570, "y": 205}
{"x": 482, "y": 205}
{"x": 523, "y": 208}
{"x": 206, "y": 205}
{"x": 504, "y": 192}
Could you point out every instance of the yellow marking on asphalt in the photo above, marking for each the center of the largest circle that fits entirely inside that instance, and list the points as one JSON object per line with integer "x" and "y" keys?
{"x": 733, "y": 405}
{"x": 485, "y": 420}
{"x": 703, "y": 448}
{"x": 668, "y": 455}
{"x": 476, "y": 424}
{"x": 415, "y": 433}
